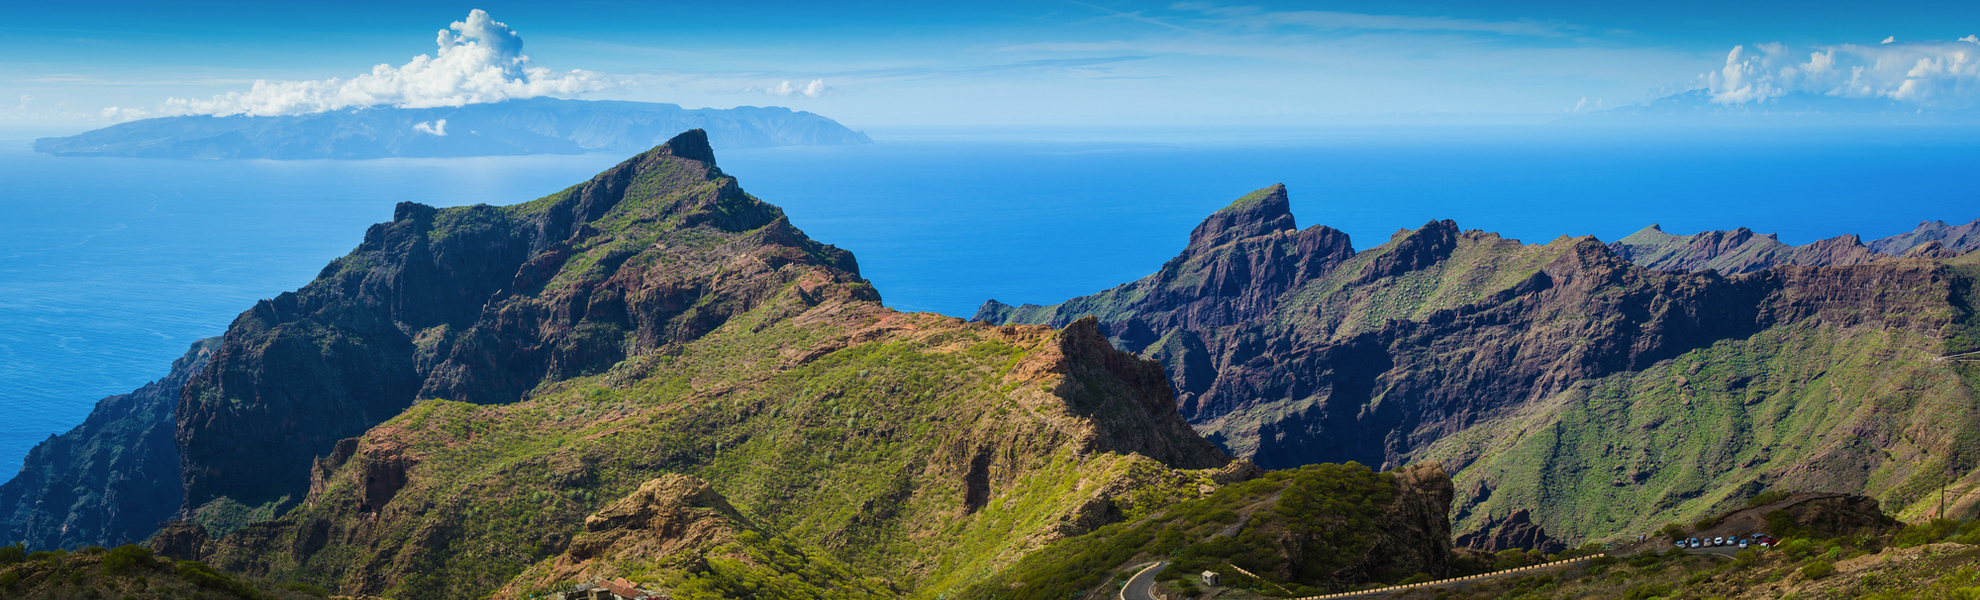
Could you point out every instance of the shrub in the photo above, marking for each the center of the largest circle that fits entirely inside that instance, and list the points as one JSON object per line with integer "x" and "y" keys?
{"x": 307, "y": 589}
{"x": 1673, "y": 531}
{"x": 13, "y": 554}
{"x": 126, "y": 558}
{"x": 1768, "y": 498}
{"x": 1782, "y": 524}
{"x": 1926, "y": 533}
{"x": 9, "y": 579}
{"x": 1798, "y": 548}
{"x": 1710, "y": 522}
{"x": 1647, "y": 591}
{"x": 1417, "y": 578}
{"x": 1818, "y": 569}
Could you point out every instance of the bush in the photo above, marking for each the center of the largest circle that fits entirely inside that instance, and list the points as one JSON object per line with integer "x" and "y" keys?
{"x": 13, "y": 554}
{"x": 307, "y": 589}
{"x": 1710, "y": 522}
{"x": 199, "y": 574}
{"x": 1417, "y": 578}
{"x": 1673, "y": 531}
{"x": 9, "y": 579}
{"x": 1818, "y": 570}
{"x": 1797, "y": 549}
{"x": 1782, "y": 524}
{"x": 1926, "y": 533}
{"x": 1768, "y": 498}
{"x": 126, "y": 558}
{"x": 1646, "y": 591}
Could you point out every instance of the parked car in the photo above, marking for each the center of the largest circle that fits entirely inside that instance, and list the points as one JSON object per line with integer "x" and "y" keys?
{"x": 1694, "y": 543}
{"x": 1743, "y": 543}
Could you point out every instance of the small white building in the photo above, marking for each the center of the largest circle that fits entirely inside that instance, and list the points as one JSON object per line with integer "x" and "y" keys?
{"x": 1210, "y": 579}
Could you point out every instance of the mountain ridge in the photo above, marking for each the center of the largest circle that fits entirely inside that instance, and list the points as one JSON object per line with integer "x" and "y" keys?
{"x": 1463, "y": 347}
{"x": 532, "y": 126}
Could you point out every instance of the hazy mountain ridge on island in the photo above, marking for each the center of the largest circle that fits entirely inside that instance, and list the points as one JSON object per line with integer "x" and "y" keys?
{"x": 531, "y": 126}
{"x": 1604, "y": 397}
{"x": 1701, "y": 107}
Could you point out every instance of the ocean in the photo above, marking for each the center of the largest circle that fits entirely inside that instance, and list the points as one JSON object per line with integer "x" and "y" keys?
{"x": 111, "y": 267}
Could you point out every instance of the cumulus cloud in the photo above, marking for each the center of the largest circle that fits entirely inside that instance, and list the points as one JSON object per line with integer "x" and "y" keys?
{"x": 814, "y": 89}
{"x": 436, "y": 127}
{"x": 1933, "y": 74}
{"x": 479, "y": 60}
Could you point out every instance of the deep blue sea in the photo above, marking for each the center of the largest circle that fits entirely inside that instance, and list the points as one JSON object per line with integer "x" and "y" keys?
{"x": 110, "y": 267}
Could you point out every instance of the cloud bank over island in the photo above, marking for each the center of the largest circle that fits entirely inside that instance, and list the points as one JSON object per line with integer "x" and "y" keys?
{"x": 480, "y": 60}
{"x": 1935, "y": 75}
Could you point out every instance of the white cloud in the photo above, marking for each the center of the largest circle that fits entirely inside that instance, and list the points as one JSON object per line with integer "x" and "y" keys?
{"x": 1888, "y": 40}
{"x": 25, "y": 99}
{"x": 436, "y": 127}
{"x": 479, "y": 60}
{"x": 1933, "y": 74}
{"x": 814, "y": 89}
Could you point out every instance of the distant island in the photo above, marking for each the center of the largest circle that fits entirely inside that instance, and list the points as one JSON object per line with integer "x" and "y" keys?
{"x": 534, "y": 126}
{"x": 1799, "y": 108}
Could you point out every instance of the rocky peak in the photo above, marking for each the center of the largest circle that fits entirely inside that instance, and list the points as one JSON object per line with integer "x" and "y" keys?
{"x": 1258, "y": 213}
{"x": 691, "y": 144}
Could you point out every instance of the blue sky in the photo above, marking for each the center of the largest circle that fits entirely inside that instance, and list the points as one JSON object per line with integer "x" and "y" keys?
{"x": 1017, "y": 63}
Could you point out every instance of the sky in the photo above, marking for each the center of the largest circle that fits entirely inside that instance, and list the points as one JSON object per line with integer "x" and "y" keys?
{"x": 1025, "y": 63}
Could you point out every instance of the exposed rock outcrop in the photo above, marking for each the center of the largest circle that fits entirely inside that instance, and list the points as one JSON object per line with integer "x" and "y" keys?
{"x": 1516, "y": 532}
{"x": 666, "y": 518}
{"x": 108, "y": 481}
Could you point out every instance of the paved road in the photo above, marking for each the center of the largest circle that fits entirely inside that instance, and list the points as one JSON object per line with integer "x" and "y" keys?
{"x": 1142, "y": 582}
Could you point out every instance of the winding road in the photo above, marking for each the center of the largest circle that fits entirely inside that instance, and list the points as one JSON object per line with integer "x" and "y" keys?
{"x": 1142, "y": 584}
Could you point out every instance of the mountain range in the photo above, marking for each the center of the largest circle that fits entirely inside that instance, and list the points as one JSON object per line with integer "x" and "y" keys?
{"x": 653, "y": 377}
{"x": 532, "y": 126}
{"x": 1606, "y": 397}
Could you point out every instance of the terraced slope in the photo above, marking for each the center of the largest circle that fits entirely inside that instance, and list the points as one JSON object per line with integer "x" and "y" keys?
{"x": 1605, "y": 397}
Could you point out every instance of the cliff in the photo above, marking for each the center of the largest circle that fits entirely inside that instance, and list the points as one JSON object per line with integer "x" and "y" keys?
{"x": 442, "y": 409}
{"x": 533, "y": 126}
{"x": 1560, "y": 378}
{"x": 108, "y": 481}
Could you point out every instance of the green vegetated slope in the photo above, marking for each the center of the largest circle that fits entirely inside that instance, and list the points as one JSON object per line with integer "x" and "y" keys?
{"x": 1926, "y": 561}
{"x": 1296, "y": 532}
{"x": 654, "y": 321}
{"x": 1808, "y": 407}
{"x": 1603, "y": 396}
{"x": 128, "y": 571}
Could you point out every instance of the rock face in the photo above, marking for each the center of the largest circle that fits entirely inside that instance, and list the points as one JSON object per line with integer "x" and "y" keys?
{"x": 1513, "y": 364}
{"x": 533, "y": 126}
{"x": 1516, "y": 532}
{"x": 109, "y": 481}
{"x": 1415, "y": 530}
